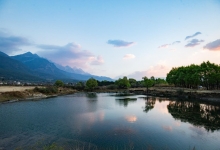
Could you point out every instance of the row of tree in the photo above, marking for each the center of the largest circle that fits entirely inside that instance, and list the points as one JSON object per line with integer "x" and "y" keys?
{"x": 206, "y": 74}
{"x": 121, "y": 83}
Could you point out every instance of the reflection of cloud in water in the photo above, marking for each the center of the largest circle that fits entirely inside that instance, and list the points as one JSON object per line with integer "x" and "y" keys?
{"x": 131, "y": 118}
{"x": 101, "y": 116}
{"x": 162, "y": 107}
{"x": 91, "y": 117}
{"x": 177, "y": 123}
{"x": 86, "y": 120}
{"x": 167, "y": 128}
{"x": 197, "y": 130}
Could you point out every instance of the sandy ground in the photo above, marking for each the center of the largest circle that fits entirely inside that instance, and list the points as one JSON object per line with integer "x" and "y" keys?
{"x": 15, "y": 88}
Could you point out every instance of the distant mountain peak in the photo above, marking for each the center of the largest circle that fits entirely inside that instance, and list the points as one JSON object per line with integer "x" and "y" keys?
{"x": 3, "y": 54}
{"x": 71, "y": 69}
{"x": 48, "y": 70}
{"x": 29, "y": 54}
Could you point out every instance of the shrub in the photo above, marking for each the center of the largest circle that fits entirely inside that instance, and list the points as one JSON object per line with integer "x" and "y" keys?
{"x": 47, "y": 90}
{"x": 59, "y": 83}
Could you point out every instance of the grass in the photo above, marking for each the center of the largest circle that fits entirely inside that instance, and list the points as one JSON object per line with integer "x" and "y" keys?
{"x": 11, "y": 96}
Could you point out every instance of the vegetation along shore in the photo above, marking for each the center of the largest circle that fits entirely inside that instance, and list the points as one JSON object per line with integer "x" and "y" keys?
{"x": 191, "y": 82}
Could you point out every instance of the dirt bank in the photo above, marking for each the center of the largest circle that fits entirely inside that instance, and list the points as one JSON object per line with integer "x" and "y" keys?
{"x": 15, "y": 88}
{"x": 207, "y": 95}
{"x": 14, "y": 93}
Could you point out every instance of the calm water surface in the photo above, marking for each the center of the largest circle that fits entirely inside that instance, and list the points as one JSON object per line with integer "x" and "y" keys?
{"x": 105, "y": 121}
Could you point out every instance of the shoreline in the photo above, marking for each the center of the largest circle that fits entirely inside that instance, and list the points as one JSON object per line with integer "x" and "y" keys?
{"x": 28, "y": 93}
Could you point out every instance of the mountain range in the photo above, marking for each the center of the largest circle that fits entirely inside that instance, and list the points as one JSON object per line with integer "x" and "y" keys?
{"x": 31, "y": 67}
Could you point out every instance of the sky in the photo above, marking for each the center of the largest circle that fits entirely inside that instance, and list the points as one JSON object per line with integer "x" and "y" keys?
{"x": 114, "y": 38}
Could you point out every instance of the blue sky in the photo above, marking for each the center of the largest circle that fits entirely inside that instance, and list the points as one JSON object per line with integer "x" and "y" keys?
{"x": 114, "y": 38}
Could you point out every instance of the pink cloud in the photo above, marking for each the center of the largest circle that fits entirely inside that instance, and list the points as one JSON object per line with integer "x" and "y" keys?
{"x": 97, "y": 60}
{"x": 131, "y": 118}
{"x": 167, "y": 128}
{"x": 71, "y": 54}
{"x": 159, "y": 70}
{"x": 129, "y": 56}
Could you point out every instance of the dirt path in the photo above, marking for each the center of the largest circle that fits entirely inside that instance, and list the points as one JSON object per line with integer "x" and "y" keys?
{"x": 15, "y": 88}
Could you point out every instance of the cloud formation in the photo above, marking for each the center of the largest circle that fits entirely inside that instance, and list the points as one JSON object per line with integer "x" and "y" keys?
{"x": 194, "y": 42}
{"x": 213, "y": 46}
{"x": 164, "y": 46}
{"x": 120, "y": 43}
{"x": 70, "y": 54}
{"x": 168, "y": 45}
{"x": 9, "y": 43}
{"x": 97, "y": 60}
{"x": 129, "y": 56}
{"x": 159, "y": 70}
{"x": 191, "y": 36}
{"x": 176, "y": 42}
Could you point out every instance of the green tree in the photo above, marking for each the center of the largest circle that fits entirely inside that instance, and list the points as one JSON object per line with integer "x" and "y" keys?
{"x": 105, "y": 83}
{"x": 148, "y": 83}
{"x": 123, "y": 83}
{"x": 132, "y": 82}
{"x": 59, "y": 83}
{"x": 160, "y": 81}
{"x": 91, "y": 84}
{"x": 206, "y": 74}
{"x": 80, "y": 85}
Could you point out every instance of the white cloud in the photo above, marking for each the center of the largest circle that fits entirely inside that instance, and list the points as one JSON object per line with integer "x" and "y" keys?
{"x": 97, "y": 60}
{"x": 129, "y": 56}
{"x": 71, "y": 54}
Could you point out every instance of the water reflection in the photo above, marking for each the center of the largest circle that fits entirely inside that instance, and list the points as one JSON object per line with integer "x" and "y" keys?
{"x": 149, "y": 104}
{"x": 92, "y": 101}
{"x": 205, "y": 115}
{"x": 131, "y": 118}
{"x": 167, "y": 128}
{"x": 123, "y": 131}
{"x": 125, "y": 101}
{"x": 91, "y": 95}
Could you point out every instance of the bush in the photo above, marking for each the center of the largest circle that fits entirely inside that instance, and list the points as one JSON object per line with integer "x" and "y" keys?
{"x": 112, "y": 87}
{"x": 91, "y": 84}
{"x": 46, "y": 90}
{"x": 59, "y": 83}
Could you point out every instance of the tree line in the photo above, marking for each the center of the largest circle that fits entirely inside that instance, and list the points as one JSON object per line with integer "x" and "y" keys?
{"x": 206, "y": 75}
{"x": 121, "y": 83}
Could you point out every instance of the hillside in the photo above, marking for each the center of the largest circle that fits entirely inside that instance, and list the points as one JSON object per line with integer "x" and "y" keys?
{"x": 11, "y": 69}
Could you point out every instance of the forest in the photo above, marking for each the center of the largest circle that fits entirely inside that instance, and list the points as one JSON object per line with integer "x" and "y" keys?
{"x": 194, "y": 76}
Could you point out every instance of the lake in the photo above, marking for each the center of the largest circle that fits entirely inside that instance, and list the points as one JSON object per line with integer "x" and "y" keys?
{"x": 109, "y": 121}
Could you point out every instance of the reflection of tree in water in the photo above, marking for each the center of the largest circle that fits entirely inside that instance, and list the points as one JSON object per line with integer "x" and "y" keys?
{"x": 91, "y": 101}
{"x": 205, "y": 115}
{"x": 125, "y": 101}
{"x": 91, "y": 96}
{"x": 149, "y": 104}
